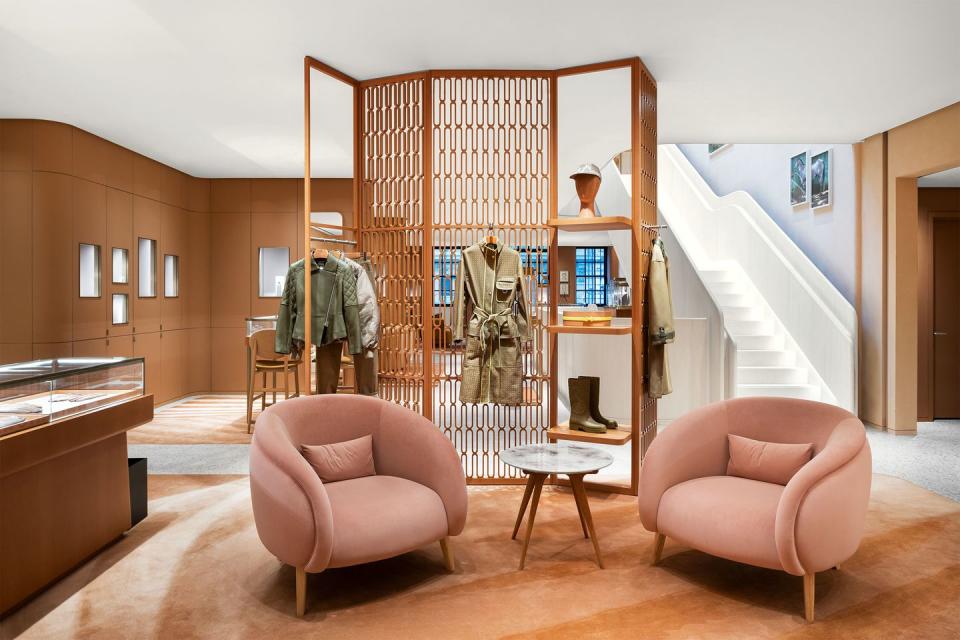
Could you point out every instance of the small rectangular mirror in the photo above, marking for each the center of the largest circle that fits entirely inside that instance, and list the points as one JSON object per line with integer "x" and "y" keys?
{"x": 147, "y": 263}
{"x": 274, "y": 262}
{"x": 121, "y": 267}
{"x": 89, "y": 271}
{"x": 119, "y": 308}
{"x": 171, "y": 276}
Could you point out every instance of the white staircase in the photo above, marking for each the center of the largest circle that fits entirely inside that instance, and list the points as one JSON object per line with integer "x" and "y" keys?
{"x": 794, "y": 333}
{"x": 765, "y": 365}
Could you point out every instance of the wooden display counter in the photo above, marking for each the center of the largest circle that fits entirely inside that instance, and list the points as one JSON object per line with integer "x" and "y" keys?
{"x": 64, "y": 494}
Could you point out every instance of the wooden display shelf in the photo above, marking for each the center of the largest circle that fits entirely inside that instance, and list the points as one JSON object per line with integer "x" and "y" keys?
{"x": 621, "y": 435}
{"x": 613, "y": 330}
{"x": 603, "y": 223}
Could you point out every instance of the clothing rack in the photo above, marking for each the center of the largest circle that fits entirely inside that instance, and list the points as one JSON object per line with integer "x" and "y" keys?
{"x": 654, "y": 226}
{"x": 333, "y": 240}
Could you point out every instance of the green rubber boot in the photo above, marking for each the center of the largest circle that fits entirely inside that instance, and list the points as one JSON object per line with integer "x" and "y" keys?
{"x": 595, "y": 403}
{"x": 579, "y": 390}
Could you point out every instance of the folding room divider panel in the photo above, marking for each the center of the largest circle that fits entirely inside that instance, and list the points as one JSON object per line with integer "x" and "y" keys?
{"x": 442, "y": 159}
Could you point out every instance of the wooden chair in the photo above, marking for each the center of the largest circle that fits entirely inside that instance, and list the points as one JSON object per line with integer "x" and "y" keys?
{"x": 264, "y": 360}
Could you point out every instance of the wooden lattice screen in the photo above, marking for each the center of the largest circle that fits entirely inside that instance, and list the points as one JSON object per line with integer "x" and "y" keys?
{"x": 392, "y": 228}
{"x": 442, "y": 157}
{"x": 490, "y": 168}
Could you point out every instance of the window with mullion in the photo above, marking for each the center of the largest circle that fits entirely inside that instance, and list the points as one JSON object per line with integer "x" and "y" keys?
{"x": 446, "y": 261}
{"x": 591, "y": 275}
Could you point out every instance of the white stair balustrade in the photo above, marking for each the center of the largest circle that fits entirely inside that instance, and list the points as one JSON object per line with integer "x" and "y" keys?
{"x": 795, "y": 334}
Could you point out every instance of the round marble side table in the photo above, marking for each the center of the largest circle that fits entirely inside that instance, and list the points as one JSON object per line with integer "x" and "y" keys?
{"x": 541, "y": 460}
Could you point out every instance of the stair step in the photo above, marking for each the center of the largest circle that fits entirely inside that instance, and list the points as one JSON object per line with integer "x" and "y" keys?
{"x": 805, "y": 391}
{"x": 743, "y": 313}
{"x": 750, "y": 327}
{"x": 758, "y": 342}
{"x": 764, "y": 358}
{"x": 718, "y": 275}
{"x": 726, "y": 300}
{"x": 771, "y": 375}
{"x": 728, "y": 287}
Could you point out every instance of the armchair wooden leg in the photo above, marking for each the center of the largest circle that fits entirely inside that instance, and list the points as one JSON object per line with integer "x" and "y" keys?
{"x": 658, "y": 547}
{"x": 448, "y": 558}
{"x": 809, "y": 582}
{"x": 301, "y": 592}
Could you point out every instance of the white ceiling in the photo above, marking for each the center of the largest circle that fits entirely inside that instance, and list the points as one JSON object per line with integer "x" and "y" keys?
{"x": 948, "y": 178}
{"x": 215, "y": 87}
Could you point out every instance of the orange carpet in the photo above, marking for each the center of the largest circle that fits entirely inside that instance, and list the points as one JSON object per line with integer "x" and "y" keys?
{"x": 206, "y": 419}
{"x": 195, "y": 569}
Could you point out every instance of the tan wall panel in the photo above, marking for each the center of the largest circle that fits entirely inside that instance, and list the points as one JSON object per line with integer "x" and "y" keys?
{"x": 52, "y": 147}
{"x": 196, "y": 278}
{"x": 172, "y": 242}
{"x": 101, "y": 161}
{"x": 872, "y": 312}
{"x": 156, "y": 181}
{"x": 147, "y": 223}
{"x": 228, "y": 359}
{"x": 197, "y": 358}
{"x": 52, "y": 252}
{"x": 923, "y": 146}
{"x": 52, "y": 350}
{"x": 148, "y": 346}
{"x": 120, "y": 346}
{"x": 173, "y": 372}
{"x": 197, "y": 196}
{"x": 16, "y": 152}
{"x": 274, "y": 195}
{"x": 269, "y": 230}
{"x": 231, "y": 270}
{"x": 15, "y": 353}
{"x": 90, "y": 227}
{"x": 90, "y": 348}
{"x": 230, "y": 195}
{"x": 16, "y": 256}
{"x": 329, "y": 194}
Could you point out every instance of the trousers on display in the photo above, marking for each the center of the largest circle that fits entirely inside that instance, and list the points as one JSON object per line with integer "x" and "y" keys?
{"x": 329, "y": 357}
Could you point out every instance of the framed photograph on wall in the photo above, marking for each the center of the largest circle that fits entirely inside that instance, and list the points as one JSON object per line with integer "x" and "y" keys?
{"x": 564, "y": 275}
{"x": 798, "y": 179}
{"x": 564, "y": 288}
{"x": 820, "y": 167}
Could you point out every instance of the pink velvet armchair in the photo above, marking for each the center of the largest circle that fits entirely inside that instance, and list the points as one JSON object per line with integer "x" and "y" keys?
{"x": 418, "y": 496}
{"x": 813, "y": 523}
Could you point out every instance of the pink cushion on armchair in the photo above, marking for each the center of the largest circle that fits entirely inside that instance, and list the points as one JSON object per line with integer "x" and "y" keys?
{"x": 341, "y": 460}
{"x": 772, "y": 462}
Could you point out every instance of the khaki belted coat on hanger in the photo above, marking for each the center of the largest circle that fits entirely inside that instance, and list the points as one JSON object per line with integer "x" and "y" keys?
{"x": 660, "y": 329}
{"x": 490, "y": 310}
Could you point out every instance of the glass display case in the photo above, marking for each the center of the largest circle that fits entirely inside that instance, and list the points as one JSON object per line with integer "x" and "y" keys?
{"x": 34, "y": 393}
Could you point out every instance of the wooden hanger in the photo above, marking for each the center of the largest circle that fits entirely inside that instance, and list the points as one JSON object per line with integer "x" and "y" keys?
{"x": 490, "y": 238}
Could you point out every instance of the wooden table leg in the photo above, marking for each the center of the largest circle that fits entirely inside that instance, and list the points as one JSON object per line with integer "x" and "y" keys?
{"x": 583, "y": 523}
{"x": 537, "y": 486}
{"x": 580, "y": 494}
{"x": 523, "y": 505}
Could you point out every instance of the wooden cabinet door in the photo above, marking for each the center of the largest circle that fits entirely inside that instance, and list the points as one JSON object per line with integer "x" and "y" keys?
{"x": 946, "y": 318}
{"x": 119, "y": 236}
{"x": 90, "y": 348}
{"x": 173, "y": 370}
{"x": 172, "y": 244}
{"x": 120, "y": 347}
{"x": 16, "y": 264}
{"x": 147, "y": 224}
{"x": 147, "y": 346}
{"x": 53, "y": 283}
{"x": 90, "y": 228}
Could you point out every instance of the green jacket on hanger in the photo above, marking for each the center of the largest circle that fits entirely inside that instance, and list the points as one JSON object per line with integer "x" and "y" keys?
{"x": 333, "y": 305}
